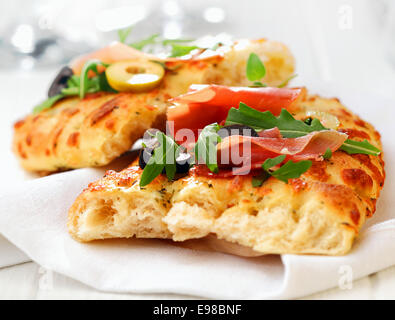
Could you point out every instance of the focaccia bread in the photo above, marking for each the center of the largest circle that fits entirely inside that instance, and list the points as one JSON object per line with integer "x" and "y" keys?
{"x": 95, "y": 130}
{"x": 319, "y": 213}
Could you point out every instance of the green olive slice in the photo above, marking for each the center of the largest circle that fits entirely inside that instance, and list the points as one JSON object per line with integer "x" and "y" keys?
{"x": 134, "y": 75}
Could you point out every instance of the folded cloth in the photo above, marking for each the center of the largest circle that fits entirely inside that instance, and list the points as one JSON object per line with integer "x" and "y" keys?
{"x": 34, "y": 214}
{"x": 9, "y": 254}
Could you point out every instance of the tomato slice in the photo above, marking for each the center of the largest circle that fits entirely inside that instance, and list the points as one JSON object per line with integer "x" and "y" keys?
{"x": 206, "y": 104}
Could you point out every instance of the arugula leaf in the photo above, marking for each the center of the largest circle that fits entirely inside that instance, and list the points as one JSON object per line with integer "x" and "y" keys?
{"x": 124, "y": 33}
{"x": 103, "y": 84}
{"x": 170, "y": 148}
{"x": 80, "y": 85}
{"x": 271, "y": 162}
{"x": 164, "y": 157}
{"x": 139, "y": 45}
{"x": 205, "y": 146}
{"x": 286, "y": 123}
{"x": 151, "y": 171}
{"x": 364, "y": 147}
{"x": 257, "y": 181}
{"x": 73, "y": 91}
{"x": 179, "y": 50}
{"x": 47, "y": 103}
{"x": 291, "y": 170}
{"x": 73, "y": 81}
{"x": 327, "y": 154}
{"x": 287, "y": 171}
{"x": 285, "y": 82}
{"x": 84, "y": 80}
{"x": 175, "y": 41}
{"x": 258, "y": 84}
{"x": 308, "y": 120}
{"x": 94, "y": 84}
{"x": 150, "y": 40}
{"x": 255, "y": 68}
{"x": 73, "y": 86}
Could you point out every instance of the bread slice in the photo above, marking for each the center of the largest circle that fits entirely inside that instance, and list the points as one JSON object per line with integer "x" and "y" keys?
{"x": 94, "y": 131}
{"x": 319, "y": 213}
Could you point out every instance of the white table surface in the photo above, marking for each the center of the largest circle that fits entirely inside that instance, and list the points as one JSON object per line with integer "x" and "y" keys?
{"x": 24, "y": 281}
{"x": 355, "y": 58}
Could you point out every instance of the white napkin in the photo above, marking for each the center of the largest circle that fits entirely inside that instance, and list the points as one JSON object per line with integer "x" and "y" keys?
{"x": 9, "y": 254}
{"x": 33, "y": 217}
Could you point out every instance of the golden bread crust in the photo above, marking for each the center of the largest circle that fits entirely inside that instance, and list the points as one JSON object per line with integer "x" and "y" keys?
{"x": 319, "y": 213}
{"x": 84, "y": 133}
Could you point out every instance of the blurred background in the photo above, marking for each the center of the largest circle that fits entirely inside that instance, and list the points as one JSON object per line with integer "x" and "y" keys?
{"x": 350, "y": 42}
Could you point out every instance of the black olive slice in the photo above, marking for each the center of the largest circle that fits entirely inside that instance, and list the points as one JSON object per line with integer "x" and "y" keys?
{"x": 145, "y": 155}
{"x": 183, "y": 162}
{"x": 149, "y": 139}
{"x": 60, "y": 81}
{"x": 237, "y": 129}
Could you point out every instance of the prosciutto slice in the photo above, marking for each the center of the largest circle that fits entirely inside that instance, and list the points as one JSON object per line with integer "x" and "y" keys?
{"x": 254, "y": 150}
{"x": 270, "y": 133}
{"x": 119, "y": 51}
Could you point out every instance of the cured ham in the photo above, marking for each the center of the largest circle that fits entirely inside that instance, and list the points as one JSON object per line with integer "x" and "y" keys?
{"x": 238, "y": 150}
{"x": 206, "y": 104}
{"x": 112, "y": 53}
{"x": 270, "y": 133}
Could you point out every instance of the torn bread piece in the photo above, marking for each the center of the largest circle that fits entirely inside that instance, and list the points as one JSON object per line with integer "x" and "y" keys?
{"x": 321, "y": 212}
{"x": 77, "y": 133}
